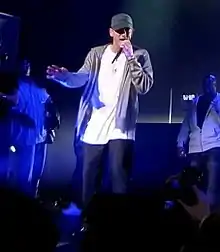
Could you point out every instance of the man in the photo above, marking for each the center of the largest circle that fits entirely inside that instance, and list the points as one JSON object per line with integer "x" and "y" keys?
{"x": 29, "y": 133}
{"x": 113, "y": 76}
{"x": 8, "y": 99}
{"x": 202, "y": 126}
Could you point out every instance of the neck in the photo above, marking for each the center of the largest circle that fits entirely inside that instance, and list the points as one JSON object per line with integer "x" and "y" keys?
{"x": 115, "y": 48}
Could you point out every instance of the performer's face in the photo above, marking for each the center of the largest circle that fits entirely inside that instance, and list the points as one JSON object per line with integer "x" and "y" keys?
{"x": 120, "y": 35}
{"x": 209, "y": 87}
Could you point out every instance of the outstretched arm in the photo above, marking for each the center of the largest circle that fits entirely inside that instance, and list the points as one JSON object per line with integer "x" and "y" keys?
{"x": 68, "y": 79}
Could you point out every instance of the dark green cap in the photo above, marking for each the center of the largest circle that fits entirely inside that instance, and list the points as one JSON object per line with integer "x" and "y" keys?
{"x": 121, "y": 21}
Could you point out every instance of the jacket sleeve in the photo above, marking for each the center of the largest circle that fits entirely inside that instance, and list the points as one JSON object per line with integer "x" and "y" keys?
{"x": 80, "y": 78}
{"x": 141, "y": 72}
{"x": 53, "y": 120}
{"x": 184, "y": 133}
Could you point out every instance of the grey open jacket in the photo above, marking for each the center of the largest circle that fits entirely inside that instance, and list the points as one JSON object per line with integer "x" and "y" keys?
{"x": 206, "y": 138}
{"x": 137, "y": 79}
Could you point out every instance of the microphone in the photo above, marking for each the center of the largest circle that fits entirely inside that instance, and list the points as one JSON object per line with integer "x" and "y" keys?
{"x": 121, "y": 49}
{"x": 117, "y": 55}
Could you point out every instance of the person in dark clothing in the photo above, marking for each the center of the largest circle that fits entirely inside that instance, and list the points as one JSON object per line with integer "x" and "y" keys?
{"x": 28, "y": 132}
{"x": 8, "y": 99}
{"x": 202, "y": 127}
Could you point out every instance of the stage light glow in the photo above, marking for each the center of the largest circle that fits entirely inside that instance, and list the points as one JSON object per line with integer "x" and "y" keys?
{"x": 12, "y": 149}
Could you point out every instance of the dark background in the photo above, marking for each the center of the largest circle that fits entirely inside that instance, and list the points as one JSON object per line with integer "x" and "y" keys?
{"x": 182, "y": 37}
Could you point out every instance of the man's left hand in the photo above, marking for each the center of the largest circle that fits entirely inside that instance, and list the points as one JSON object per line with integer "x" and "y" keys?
{"x": 127, "y": 49}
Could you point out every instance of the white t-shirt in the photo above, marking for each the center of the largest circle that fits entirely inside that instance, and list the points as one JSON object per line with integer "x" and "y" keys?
{"x": 101, "y": 127}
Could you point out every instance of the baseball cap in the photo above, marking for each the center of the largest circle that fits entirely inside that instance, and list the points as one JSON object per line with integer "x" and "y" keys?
{"x": 120, "y": 21}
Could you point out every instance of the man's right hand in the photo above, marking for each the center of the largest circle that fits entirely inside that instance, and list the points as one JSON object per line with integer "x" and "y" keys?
{"x": 56, "y": 73}
{"x": 181, "y": 152}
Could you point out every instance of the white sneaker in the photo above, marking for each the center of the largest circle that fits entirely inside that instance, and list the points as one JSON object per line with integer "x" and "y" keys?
{"x": 72, "y": 210}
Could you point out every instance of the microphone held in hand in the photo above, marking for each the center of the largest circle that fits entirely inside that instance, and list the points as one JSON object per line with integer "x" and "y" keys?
{"x": 117, "y": 55}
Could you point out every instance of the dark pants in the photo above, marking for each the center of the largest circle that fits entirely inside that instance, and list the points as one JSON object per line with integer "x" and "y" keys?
{"x": 119, "y": 161}
{"x": 5, "y": 128}
{"x": 28, "y": 166}
{"x": 209, "y": 163}
{"x": 38, "y": 167}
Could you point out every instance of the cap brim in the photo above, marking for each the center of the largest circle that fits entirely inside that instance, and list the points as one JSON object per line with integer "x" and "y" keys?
{"x": 121, "y": 26}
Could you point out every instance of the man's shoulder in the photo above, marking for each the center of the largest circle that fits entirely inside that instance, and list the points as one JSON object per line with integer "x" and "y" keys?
{"x": 23, "y": 84}
{"x": 98, "y": 50}
{"x": 196, "y": 99}
{"x": 136, "y": 49}
{"x": 139, "y": 50}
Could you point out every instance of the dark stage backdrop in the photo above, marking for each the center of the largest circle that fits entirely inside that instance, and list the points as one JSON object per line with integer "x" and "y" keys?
{"x": 182, "y": 37}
